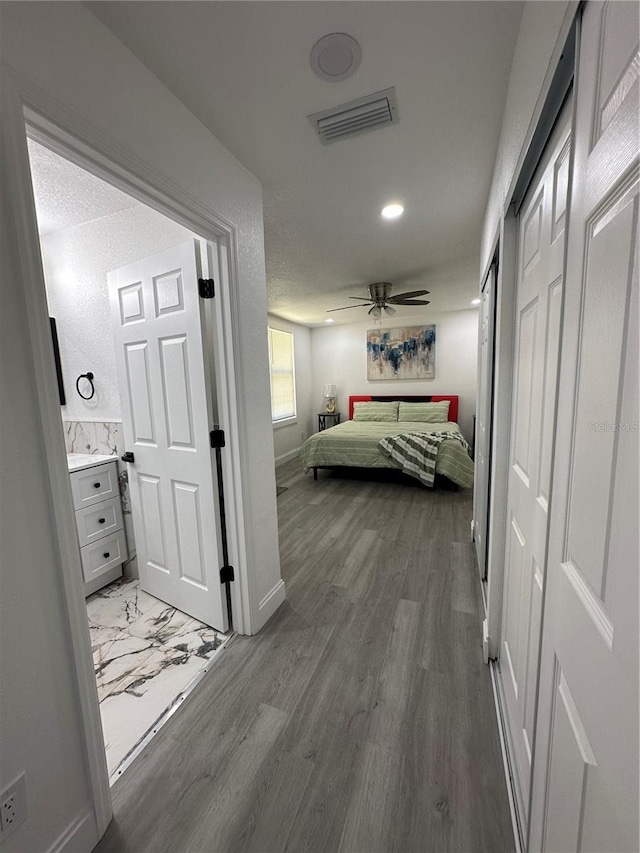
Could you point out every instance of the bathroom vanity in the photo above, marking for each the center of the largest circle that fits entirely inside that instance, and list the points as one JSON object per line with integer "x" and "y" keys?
{"x": 99, "y": 521}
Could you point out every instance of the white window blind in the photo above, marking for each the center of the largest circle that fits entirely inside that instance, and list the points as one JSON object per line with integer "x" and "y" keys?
{"x": 283, "y": 386}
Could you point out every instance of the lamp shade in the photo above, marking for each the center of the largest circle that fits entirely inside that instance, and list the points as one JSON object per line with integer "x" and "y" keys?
{"x": 330, "y": 391}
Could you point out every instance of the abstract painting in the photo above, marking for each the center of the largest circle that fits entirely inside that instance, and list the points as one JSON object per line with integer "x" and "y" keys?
{"x": 404, "y": 353}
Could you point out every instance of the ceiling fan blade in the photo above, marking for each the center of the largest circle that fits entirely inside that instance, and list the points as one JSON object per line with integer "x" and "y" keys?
{"x": 411, "y": 302}
{"x": 364, "y": 305}
{"x": 359, "y": 297}
{"x": 410, "y": 294}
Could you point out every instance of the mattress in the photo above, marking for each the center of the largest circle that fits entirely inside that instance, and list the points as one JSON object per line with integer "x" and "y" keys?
{"x": 355, "y": 444}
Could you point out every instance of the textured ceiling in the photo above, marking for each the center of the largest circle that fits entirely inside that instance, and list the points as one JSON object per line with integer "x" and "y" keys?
{"x": 66, "y": 195}
{"x": 243, "y": 70}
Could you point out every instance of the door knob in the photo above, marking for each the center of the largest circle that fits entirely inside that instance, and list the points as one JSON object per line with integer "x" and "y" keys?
{"x": 127, "y": 457}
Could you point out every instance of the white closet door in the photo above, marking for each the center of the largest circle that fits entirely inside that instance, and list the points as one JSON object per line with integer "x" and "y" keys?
{"x": 585, "y": 780}
{"x": 482, "y": 448}
{"x": 166, "y": 413}
{"x": 538, "y": 303}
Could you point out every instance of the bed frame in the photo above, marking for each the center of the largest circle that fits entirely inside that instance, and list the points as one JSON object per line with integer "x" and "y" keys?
{"x": 408, "y": 398}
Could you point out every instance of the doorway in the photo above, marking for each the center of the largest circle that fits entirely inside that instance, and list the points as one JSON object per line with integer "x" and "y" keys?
{"x": 149, "y": 648}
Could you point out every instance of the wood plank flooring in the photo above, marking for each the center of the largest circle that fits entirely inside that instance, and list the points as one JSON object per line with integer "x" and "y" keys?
{"x": 361, "y": 719}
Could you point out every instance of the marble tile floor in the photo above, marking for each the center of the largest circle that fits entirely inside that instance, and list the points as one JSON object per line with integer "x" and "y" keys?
{"x": 145, "y": 654}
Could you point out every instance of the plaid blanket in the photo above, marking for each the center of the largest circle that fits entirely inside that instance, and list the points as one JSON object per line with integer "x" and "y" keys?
{"x": 416, "y": 453}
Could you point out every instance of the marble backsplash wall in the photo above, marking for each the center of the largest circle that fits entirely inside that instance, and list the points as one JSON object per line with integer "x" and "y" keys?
{"x": 105, "y": 438}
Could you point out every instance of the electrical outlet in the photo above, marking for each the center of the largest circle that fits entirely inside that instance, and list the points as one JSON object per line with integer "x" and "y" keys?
{"x": 13, "y": 805}
{"x": 302, "y": 435}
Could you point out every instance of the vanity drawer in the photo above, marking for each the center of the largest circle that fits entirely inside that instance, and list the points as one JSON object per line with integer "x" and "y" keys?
{"x": 99, "y": 557}
{"x": 97, "y": 521}
{"x": 92, "y": 485}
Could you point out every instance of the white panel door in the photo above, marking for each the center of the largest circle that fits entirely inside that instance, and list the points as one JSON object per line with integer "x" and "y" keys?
{"x": 538, "y": 302}
{"x": 585, "y": 778}
{"x": 482, "y": 444}
{"x": 166, "y": 411}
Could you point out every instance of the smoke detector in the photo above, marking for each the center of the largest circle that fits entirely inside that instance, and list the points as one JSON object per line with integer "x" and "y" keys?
{"x": 336, "y": 57}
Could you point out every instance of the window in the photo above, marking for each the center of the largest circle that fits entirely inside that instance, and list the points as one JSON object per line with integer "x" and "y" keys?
{"x": 283, "y": 385}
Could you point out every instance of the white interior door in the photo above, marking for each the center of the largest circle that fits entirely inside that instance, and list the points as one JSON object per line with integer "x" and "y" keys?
{"x": 482, "y": 444}
{"x": 166, "y": 413}
{"x": 538, "y": 303}
{"x": 585, "y": 781}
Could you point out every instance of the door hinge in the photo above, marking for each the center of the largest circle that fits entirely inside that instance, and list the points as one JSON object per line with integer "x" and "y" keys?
{"x": 206, "y": 288}
{"x": 216, "y": 437}
{"x": 227, "y": 574}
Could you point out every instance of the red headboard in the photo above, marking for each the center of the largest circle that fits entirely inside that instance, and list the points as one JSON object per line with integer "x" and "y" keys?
{"x": 367, "y": 398}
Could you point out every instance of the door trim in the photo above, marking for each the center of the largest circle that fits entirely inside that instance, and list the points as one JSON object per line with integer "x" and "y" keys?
{"x": 501, "y": 428}
{"x": 26, "y": 109}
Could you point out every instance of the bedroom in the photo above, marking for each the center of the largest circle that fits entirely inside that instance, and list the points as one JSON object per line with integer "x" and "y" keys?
{"x": 336, "y": 354}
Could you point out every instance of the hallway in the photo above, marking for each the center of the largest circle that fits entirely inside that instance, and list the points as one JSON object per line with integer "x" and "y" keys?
{"x": 361, "y": 718}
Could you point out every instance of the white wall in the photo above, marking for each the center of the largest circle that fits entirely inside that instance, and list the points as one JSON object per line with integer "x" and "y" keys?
{"x": 339, "y": 355}
{"x": 76, "y": 263}
{"x": 540, "y": 28}
{"x": 39, "y": 711}
{"x": 77, "y": 67}
{"x": 287, "y": 439}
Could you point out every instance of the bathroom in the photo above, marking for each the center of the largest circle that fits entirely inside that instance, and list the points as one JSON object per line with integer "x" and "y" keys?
{"x": 147, "y": 653}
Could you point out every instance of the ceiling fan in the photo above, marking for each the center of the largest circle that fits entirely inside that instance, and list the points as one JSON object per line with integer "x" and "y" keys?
{"x": 380, "y": 299}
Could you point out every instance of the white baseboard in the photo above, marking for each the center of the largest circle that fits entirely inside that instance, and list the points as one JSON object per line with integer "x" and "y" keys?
{"x": 79, "y": 836}
{"x": 286, "y": 456}
{"x": 269, "y": 604}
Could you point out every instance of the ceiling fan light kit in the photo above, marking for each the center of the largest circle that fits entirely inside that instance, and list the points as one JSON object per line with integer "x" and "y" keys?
{"x": 380, "y": 299}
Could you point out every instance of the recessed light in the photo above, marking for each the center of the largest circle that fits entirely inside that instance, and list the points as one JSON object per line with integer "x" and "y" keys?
{"x": 329, "y": 320}
{"x": 392, "y": 211}
{"x": 476, "y": 301}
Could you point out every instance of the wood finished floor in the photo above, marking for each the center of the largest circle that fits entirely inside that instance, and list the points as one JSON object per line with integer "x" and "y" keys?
{"x": 360, "y": 719}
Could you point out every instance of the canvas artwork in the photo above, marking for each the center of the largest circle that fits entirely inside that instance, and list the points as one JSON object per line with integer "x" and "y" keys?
{"x": 404, "y": 353}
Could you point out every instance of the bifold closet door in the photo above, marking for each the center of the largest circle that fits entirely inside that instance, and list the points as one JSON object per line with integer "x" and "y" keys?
{"x": 585, "y": 779}
{"x": 541, "y": 235}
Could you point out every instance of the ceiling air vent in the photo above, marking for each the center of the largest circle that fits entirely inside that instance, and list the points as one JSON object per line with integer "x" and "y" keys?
{"x": 357, "y": 116}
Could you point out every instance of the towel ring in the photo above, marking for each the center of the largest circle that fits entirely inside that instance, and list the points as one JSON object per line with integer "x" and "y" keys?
{"x": 89, "y": 378}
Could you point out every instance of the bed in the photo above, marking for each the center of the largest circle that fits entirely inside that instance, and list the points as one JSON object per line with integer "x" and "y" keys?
{"x": 356, "y": 443}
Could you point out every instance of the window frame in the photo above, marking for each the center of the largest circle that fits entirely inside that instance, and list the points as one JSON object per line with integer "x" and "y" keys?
{"x": 277, "y": 423}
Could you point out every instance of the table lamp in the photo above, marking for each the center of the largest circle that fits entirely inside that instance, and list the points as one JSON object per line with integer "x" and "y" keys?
{"x": 330, "y": 393}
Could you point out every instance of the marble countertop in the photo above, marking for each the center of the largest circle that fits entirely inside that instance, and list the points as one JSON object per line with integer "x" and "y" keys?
{"x": 78, "y": 461}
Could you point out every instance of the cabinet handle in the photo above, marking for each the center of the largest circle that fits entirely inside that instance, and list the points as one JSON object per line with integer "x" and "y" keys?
{"x": 106, "y": 554}
{"x": 101, "y": 520}
{"x": 96, "y": 485}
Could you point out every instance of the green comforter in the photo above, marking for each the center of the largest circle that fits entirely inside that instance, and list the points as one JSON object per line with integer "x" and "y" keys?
{"x": 354, "y": 444}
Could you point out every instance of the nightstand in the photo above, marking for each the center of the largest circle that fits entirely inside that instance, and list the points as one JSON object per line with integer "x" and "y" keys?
{"x": 322, "y": 419}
